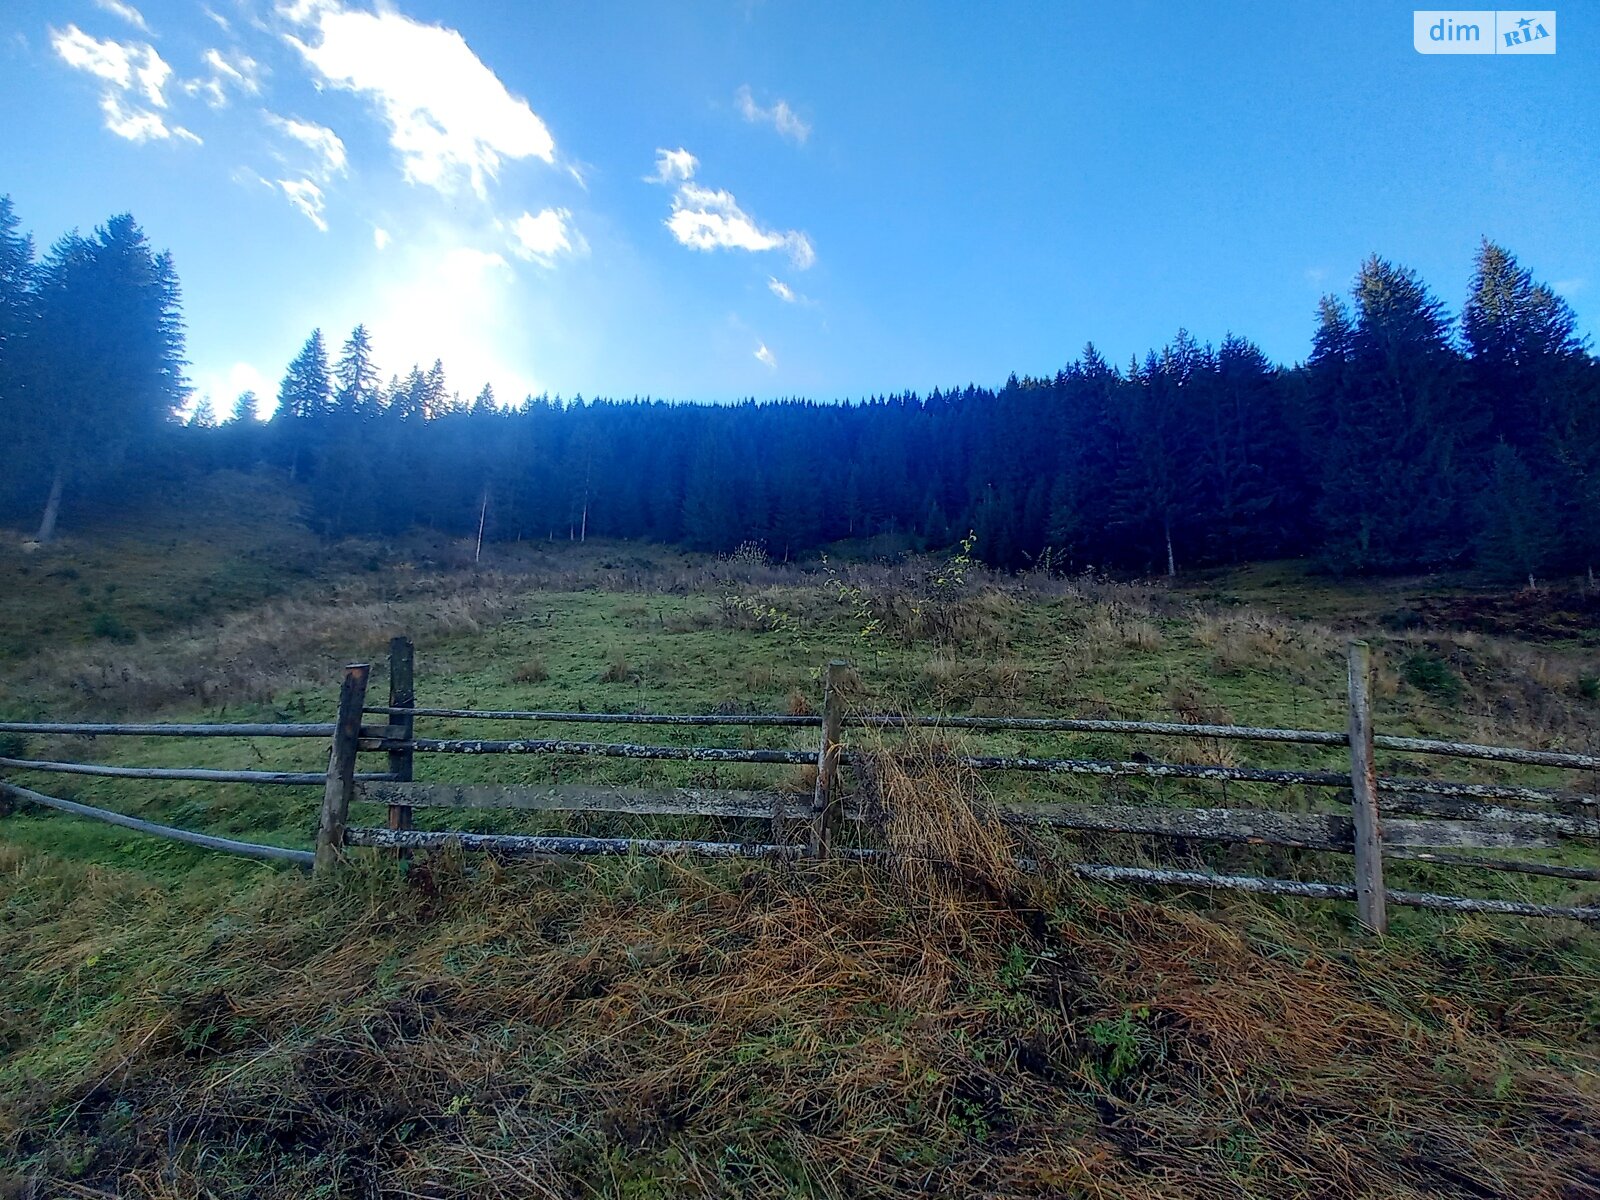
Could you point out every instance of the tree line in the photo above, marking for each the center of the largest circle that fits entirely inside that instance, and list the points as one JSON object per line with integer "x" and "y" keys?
{"x": 1409, "y": 438}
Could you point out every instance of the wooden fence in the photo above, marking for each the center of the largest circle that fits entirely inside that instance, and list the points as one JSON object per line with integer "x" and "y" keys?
{"x": 1390, "y": 818}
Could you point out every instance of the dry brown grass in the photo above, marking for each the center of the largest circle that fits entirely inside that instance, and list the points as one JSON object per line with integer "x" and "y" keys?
{"x": 1242, "y": 641}
{"x": 659, "y": 1030}
{"x": 532, "y": 670}
{"x": 617, "y": 669}
{"x": 250, "y": 657}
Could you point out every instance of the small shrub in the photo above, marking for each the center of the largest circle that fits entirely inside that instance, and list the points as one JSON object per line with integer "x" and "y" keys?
{"x": 108, "y": 626}
{"x": 617, "y": 670}
{"x": 1431, "y": 674}
{"x": 1402, "y": 619}
{"x": 532, "y": 671}
{"x": 1589, "y": 687}
{"x": 800, "y": 704}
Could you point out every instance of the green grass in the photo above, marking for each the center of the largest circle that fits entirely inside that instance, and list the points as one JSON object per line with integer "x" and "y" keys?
{"x": 179, "y": 1022}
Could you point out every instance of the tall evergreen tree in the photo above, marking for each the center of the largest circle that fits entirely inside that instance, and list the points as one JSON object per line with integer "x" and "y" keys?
{"x": 1402, "y": 430}
{"x": 307, "y": 388}
{"x": 357, "y": 390}
{"x": 108, "y": 367}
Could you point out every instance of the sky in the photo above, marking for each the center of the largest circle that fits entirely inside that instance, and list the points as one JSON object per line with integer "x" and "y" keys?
{"x": 732, "y": 198}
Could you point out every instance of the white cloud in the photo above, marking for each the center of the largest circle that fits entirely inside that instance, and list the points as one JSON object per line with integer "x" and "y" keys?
{"x": 780, "y": 116}
{"x": 241, "y": 73}
{"x": 708, "y": 219}
{"x": 319, "y": 139}
{"x": 126, "y": 66}
{"x": 380, "y": 238}
{"x": 1568, "y": 288}
{"x": 673, "y": 165}
{"x": 134, "y": 79}
{"x": 765, "y": 357}
{"x": 307, "y": 197}
{"x": 781, "y": 290}
{"x": 542, "y": 238}
{"x": 139, "y": 124}
{"x": 448, "y": 113}
{"x": 221, "y": 21}
{"x": 126, "y": 12}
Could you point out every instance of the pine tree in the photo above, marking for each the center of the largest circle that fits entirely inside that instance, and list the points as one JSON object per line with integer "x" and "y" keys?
{"x": 1398, "y": 466}
{"x": 307, "y": 388}
{"x": 18, "y": 300}
{"x": 109, "y": 355}
{"x": 358, "y": 389}
{"x": 1518, "y": 539}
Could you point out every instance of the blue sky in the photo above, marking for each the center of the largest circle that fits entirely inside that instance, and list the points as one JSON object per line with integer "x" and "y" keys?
{"x": 713, "y": 200}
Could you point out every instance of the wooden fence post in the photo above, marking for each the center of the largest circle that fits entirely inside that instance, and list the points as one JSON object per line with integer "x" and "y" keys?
{"x": 402, "y": 694}
{"x": 1370, "y": 895}
{"x": 827, "y": 804}
{"x": 341, "y": 785}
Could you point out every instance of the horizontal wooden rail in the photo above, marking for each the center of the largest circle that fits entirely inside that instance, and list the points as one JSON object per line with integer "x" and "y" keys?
{"x": 1324, "y": 891}
{"x": 1566, "y": 825}
{"x": 524, "y": 843}
{"x": 1157, "y": 770}
{"x": 1488, "y": 864}
{"x": 1277, "y": 776}
{"x": 590, "y": 798}
{"x": 89, "y": 729}
{"x": 1307, "y": 831}
{"x": 606, "y": 718}
{"x": 301, "y": 858}
{"x": 1511, "y": 754}
{"x": 517, "y": 844}
{"x": 606, "y": 750}
{"x": 1312, "y": 737}
{"x": 201, "y": 774}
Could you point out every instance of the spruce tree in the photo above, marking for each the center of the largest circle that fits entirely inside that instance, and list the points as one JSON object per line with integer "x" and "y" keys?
{"x": 357, "y": 389}
{"x": 108, "y": 362}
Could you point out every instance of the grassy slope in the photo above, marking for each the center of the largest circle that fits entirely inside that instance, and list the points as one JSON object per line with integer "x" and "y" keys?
{"x": 177, "y": 1022}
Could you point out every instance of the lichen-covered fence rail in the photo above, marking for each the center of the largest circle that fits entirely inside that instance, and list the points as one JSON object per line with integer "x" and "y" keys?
{"x": 1396, "y": 817}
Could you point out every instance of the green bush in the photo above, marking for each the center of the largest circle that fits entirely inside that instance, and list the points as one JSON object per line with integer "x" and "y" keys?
{"x": 107, "y": 625}
{"x": 1432, "y": 674}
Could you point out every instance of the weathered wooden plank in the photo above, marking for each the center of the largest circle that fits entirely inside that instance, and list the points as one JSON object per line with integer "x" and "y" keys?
{"x": 340, "y": 785}
{"x": 1368, "y": 831}
{"x": 1488, "y": 864}
{"x": 610, "y": 750}
{"x": 1323, "y": 891}
{"x": 1314, "y": 737}
{"x": 581, "y": 798}
{"x": 402, "y": 694}
{"x": 827, "y": 805}
{"x": 518, "y": 843}
{"x": 1311, "y": 831}
{"x": 1155, "y": 770}
{"x": 785, "y": 720}
{"x": 90, "y": 729}
{"x": 1578, "y": 824}
{"x": 301, "y": 858}
{"x": 1510, "y": 754}
{"x": 202, "y": 774}
{"x": 1276, "y": 776}
{"x": 1486, "y": 791}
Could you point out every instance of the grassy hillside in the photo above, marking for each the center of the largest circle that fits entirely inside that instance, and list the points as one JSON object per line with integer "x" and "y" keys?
{"x": 174, "y": 1023}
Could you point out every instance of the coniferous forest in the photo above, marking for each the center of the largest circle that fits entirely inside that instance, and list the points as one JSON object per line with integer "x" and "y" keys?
{"x": 1411, "y": 438}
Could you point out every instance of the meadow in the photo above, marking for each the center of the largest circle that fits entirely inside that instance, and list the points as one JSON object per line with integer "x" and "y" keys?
{"x": 179, "y": 1023}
